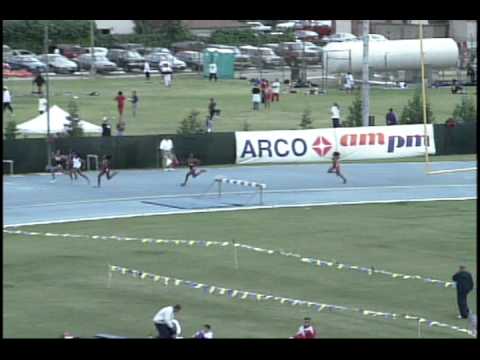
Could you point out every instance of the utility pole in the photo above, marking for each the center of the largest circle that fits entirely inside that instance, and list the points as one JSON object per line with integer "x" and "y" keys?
{"x": 49, "y": 145}
{"x": 365, "y": 84}
{"x": 92, "y": 44}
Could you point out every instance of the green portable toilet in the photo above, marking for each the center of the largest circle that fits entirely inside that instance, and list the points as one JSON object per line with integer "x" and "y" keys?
{"x": 225, "y": 60}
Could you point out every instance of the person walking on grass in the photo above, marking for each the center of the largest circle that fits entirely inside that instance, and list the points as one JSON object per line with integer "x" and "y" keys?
{"x": 7, "y": 100}
{"x": 212, "y": 108}
{"x": 276, "y": 90}
{"x": 166, "y": 71}
{"x": 212, "y": 69}
{"x": 163, "y": 321}
{"x": 146, "y": 70}
{"x": 39, "y": 81}
{"x": 256, "y": 98}
{"x": 134, "y": 99}
{"x": 120, "y": 99}
{"x": 335, "y": 112}
{"x": 464, "y": 284}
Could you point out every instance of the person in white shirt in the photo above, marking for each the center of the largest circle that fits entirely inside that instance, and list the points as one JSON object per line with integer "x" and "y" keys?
{"x": 168, "y": 156}
{"x": 335, "y": 111}
{"x": 166, "y": 71}
{"x": 178, "y": 329}
{"x": 349, "y": 83}
{"x": 77, "y": 167}
{"x": 146, "y": 70}
{"x": 163, "y": 321}
{"x": 212, "y": 69}
{"x": 276, "y": 90}
{"x": 7, "y": 99}
{"x": 204, "y": 333}
{"x": 42, "y": 105}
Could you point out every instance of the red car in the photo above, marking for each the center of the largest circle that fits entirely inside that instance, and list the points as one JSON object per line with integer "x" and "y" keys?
{"x": 8, "y": 72}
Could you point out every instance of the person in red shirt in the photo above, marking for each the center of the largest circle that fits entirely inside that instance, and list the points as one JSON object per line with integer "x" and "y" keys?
{"x": 120, "y": 99}
{"x": 193, "y": 171}
{"x": 306, "y": 331}
{"x": 336, "y": 166}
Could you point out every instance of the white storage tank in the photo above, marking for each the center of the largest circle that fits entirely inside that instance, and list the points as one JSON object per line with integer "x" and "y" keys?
{"x": 390, "y": 55}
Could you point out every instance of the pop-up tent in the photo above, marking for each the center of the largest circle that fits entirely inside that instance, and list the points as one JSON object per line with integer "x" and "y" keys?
{"x": 58, "y": 120}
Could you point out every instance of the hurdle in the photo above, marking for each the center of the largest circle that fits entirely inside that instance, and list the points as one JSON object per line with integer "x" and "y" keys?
{"x": 94, "y": 157}
{"x": 223, "y": 180}
{"x": 10, "y": 162}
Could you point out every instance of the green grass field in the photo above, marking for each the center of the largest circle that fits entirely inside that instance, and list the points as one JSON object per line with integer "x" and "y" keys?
{"x": 54, "y": 284}
{"x": 162, "y": 109}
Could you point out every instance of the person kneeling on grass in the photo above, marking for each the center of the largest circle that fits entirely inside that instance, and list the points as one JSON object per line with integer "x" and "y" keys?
{"x": 105, "y": 168}
{"x": 305, "y": 331}
{"x": 192, "y": 163}
{"x": 204, "y": 333}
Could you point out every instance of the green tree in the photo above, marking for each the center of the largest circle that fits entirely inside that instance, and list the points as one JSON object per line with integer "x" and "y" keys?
{"x": 355, "y": 116}
{"x": 11, "y": 130}
{"x": 412, "y": 113}
{"x": 191, "y": 124}
{"x": 306, "y": 122}
{"x": 74, "y": 118}
{"x": 466, "y": 110}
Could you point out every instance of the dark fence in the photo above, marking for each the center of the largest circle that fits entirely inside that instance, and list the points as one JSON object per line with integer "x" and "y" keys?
{"x": 30, "y": 155}
{"x": 461, "y": 139}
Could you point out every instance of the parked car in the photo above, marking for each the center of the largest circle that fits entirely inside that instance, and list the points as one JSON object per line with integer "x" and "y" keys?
{"x": 16, "y": 52}
{"x": 300, "y": 51}
{"x": 157, "y": 50}
{"x": 340, "y": 37}
{"x": 70, "y": 51}
{"x": 59, "y": 63}
{"x": 101, "y": 63}
{"x": 129, "y": 46}
{"x": 193, "y": 59}
{"x": 188, "y": 46}
{"x": 154, "y": 59}
{"x": 258, "y": 26}
{"x": 126, "y": 59}
{"x": 262, "y": 56}
{"x": 97, "y": 51}
{"x": 26, "y": 62}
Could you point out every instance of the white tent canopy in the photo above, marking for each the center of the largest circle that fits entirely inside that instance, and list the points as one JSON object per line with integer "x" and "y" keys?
{"x": 58, "y": 120}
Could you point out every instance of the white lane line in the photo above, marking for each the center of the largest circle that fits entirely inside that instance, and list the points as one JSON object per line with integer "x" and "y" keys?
{"x": 173, "y": 196}
{"x": 180, "y": 212}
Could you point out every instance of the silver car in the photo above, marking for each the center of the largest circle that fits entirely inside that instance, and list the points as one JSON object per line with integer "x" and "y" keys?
{"x": 59, "y": 63}
{"x": 102, "y": 64}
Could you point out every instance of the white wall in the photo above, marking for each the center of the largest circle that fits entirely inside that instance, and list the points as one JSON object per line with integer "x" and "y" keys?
{"x": 343, "y": 26}
{"x": 116, "y": 26}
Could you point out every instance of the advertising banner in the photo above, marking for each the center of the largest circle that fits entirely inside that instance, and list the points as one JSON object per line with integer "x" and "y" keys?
{"x": 357, "y": 143}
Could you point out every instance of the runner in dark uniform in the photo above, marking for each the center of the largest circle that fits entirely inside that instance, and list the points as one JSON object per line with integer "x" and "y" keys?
{"x": 105, "y": 169}
{"x": 192, "y": 164}
{"x": 336, "y": 166}
{"x": 59, "y": 163}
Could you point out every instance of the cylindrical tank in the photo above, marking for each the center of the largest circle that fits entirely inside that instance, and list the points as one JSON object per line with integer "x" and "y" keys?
{"x": 390, "y": 55}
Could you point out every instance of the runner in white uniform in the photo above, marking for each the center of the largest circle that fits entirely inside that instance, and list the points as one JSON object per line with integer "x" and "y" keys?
{"x": 77, "y": 167}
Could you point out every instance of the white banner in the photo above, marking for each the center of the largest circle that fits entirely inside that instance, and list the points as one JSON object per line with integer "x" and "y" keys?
{"x": 358, "y": 143}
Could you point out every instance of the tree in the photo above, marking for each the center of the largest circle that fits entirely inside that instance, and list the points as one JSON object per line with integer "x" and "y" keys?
{"x": 466, "y": 110}
{"x": 75, "y": 130}
{"x": 354, "y": 117}
{"x": 413, "y": 112}
{"x": 11, "y": 130}
{"x": 191, "y": 125}
{"x": 307, "y": 122}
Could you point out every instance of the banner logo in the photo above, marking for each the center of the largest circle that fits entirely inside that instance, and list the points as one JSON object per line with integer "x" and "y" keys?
{"x": 322, "y": 146}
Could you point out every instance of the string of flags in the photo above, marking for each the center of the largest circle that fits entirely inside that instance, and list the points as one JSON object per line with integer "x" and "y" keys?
{"x": 243, "y": 294}
{"x": 307, "y": 260}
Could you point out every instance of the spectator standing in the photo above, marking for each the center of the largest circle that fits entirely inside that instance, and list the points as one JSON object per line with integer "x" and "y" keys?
{"x": 120, "y": 99}
{"x": 134, "y": 99}
{"x": 268, "y": 95}
{"x": 166, "y": 71}
{"x": 163, "y": 321}
{"x": 464, "y": 284}
{"x": 42, "y": 105}
{"x": 121, "y": 125}
{"x": 212, "y": 69}
{"x": 335, "y": 112}
{"x": 256, "y": 98}
{"x": 168, "y": 156}
{"x": 306, "y": 331}
{"x": 276, "y": 90}
{"x": 209, "y": 124}
{"x": 7, "y": 100}
{"x": 204, "y": 333}
{"x": 39, "y": 81}
{"x": 106, "y": 127}
{"x": 212, "y": 108}
{"x": 146, "y": 70}
{"x": 391, "y": 118}
{"x": 349, "y": 83}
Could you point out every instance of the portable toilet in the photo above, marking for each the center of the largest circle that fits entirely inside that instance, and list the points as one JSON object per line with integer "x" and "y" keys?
{"x": 225, "y": 60}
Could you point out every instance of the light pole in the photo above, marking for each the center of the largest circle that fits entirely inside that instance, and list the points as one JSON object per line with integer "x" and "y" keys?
{"x": 365, "y": 85}
{"x": 49, "y": 146}
{"x": 92, "y": 44}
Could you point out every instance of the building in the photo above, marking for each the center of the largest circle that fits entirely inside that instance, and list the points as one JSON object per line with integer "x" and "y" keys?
{"x": 115, "y": 26}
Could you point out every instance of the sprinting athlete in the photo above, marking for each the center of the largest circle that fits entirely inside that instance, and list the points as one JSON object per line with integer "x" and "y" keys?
{"x": 77, "y": 167}
{"x": 336, "y": 166}
{"x": 59, "y": 163}
{"x": 105, "y": 169}
{"x": 192, "y": 164}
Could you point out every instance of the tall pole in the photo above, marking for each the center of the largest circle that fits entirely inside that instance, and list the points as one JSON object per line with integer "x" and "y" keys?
{"x": 49, "y": 145}
{"x": 424, "y": 102}
{"x": 92, "y": 44}
{"x": 365, "y": 84}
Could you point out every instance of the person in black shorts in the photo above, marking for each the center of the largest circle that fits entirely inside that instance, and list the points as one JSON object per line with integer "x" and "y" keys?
{"x": 193, "y": 171}
{"x": 59, "y": 163}
{"x": 105, "y": 169}
{"x": 336, "y": 166}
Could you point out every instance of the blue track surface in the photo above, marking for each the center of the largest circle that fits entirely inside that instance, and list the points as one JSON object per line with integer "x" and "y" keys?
{"x": 30, "y": 199}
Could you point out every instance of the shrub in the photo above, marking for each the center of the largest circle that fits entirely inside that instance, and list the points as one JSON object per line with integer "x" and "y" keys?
{"x": 354, "y": 117}
{"x": 466, "y": 110}
{"x": 191, "y": 124}
{"x": 307, "y": 122}
{"x": 413, "y": 112}
{"x": 11, "y": 130}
